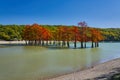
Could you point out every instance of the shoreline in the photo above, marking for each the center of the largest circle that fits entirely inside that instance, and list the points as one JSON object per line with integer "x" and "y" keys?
{"x": 102, "y": 71}
{"x": 23, "y": 42}
{"x": 12, "y": 42}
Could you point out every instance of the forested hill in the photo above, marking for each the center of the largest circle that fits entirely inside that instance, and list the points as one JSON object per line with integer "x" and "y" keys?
{"x": 14, "y": 32}
{"x": 111, "y": 34}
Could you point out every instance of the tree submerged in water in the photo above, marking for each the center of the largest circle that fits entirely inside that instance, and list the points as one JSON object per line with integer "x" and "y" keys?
{"x": 61, "y": 36}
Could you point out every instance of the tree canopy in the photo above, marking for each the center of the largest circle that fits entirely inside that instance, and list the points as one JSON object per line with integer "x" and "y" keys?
{"x": 14, "y": 32}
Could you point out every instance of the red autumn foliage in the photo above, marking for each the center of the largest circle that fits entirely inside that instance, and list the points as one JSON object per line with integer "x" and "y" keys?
{"x": 37, "y": 33}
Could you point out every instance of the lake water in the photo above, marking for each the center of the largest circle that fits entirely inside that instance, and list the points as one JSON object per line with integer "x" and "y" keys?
{"x": 35, "y": 63}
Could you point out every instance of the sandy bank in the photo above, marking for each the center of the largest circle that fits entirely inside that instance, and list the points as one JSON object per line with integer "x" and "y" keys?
{"x": 12, "y": 42}
{"x": 102, "y": 71}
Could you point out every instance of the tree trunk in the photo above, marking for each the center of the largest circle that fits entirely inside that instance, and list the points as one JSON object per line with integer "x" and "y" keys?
{"x": 59, "y": 43}
{"x": 81, "y": 44}
{"x": 42, "y": 43}
{"x": 63, "y": 43}
{"x": 39, "y": 42}
{"x": 54, "y": 42}
{"x": 85, "y": 45}
{"x": 97, "y": 44}
{"x": 32, "y": 42}
{"x": 92, "y": 44}
{"x": 35, "y": 42}
{"x": 25, "y": 42}
{"x": 47, "y": 42}
{"x": 50, "y": 42}
{"x": 29, "y": 42}
{"x": 68, "y": 45}
{"x": 75, "y": 44}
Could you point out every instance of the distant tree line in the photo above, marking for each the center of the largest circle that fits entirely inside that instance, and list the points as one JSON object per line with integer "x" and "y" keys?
{"x": 14, "y": 32}
{"x": 111, "y": 34}
{"x": 11, "y": 32}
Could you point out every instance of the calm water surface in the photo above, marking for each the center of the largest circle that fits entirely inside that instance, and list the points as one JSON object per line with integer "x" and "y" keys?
{"x": 35, "y": 63}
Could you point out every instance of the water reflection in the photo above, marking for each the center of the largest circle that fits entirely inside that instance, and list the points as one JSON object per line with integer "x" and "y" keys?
{"x": 95, "y": 56}
{"x": 34, "y": 62}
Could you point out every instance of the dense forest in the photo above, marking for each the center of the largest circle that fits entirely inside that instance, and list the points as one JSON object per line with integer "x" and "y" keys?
{"x": 14, "y": 32}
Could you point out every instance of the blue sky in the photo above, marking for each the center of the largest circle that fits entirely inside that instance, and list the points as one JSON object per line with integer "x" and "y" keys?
{"x": 97, "y": 13}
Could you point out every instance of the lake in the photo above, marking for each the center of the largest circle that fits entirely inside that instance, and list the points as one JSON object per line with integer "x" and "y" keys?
{"x": 35, "y": 62}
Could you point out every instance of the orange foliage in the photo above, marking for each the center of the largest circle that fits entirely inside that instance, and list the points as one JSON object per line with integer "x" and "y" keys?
{"x": 96, "y": 35}
{"x": 76, "y": 33}
{"x": 36, "y": 32}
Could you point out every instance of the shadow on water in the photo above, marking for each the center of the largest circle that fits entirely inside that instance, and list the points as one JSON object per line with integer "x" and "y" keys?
{"x": 12, "y": 45}
{"x": 59, "y": 47}
{"x": 45, "y": 46}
